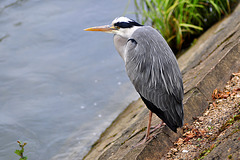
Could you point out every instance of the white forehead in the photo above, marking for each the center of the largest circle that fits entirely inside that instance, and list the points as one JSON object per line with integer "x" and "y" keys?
{"x": 121, "y": 19}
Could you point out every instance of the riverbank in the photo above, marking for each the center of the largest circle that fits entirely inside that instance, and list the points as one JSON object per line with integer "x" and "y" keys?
{"x": 205, "y": 66}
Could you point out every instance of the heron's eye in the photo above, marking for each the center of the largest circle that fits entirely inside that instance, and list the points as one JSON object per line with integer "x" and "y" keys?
{"x": 117, "y": 27}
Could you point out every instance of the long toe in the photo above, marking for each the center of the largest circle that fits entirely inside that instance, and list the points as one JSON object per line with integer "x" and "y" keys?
{"x": 154, "y": 128}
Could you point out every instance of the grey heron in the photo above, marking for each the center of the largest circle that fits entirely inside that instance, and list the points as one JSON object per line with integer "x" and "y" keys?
{"x": 151, "y": 67}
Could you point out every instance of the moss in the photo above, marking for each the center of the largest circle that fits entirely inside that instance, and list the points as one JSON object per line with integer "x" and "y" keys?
{"x": 206, "y": 151}
{"x": 113, "y": 135}
{"x": 124, "y": 142}
{"x": 134, "y": 134}
{"x": 230, "y": 122}
{"x": 134, "y": 116}
{"x": 230, "y": 156}
{"x": 107, "y": 145}
{"x": 94, "y": 144}
{"x": 141, "y": 106}
{"x": 235, "y": 131}
{"x": 236, "y": 117}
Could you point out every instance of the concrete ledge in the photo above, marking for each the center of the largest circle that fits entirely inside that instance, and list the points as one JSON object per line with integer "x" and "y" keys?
{"x": 207, "y": 65}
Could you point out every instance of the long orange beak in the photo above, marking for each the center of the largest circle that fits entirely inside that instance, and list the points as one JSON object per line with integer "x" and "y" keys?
{"x": 106, "y": 28}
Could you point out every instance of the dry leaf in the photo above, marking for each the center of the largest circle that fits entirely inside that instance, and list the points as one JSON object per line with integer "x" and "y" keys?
{"x": 236, "y": 74}
{"x": 214, "y": 104}
{"x": 180, "y": 141}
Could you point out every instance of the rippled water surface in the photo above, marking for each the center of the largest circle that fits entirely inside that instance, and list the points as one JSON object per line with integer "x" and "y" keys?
{"x": 60, "y": 86}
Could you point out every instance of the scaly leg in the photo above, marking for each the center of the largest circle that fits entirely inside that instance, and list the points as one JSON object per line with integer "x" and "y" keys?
{"x": 148, "y": 130}
{"x": 148, "y": 126}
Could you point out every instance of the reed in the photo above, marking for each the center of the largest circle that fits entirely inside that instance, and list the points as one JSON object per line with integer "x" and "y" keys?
{"x": 180, "y": 21}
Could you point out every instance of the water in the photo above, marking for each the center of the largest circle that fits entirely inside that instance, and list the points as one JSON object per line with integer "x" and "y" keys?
{"x": 60, "y": 86}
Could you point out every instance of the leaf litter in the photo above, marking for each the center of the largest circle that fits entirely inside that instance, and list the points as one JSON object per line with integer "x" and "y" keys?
{"x": 200, "y": 137}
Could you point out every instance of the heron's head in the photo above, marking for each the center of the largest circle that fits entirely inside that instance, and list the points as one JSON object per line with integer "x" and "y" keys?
{"x": 122, "y": 26}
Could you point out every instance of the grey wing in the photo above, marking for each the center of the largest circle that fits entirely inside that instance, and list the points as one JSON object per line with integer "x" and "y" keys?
{"x": 154, "y": 72}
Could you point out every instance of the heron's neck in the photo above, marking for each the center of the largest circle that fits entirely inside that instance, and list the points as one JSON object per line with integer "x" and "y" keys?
{"x": 120, "y": 45}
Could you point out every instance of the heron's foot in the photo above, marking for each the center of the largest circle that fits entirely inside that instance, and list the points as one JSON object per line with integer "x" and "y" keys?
{"x": 142, "y": 142}
{"x": 154, "y": 128}
{"x": 145, "y": 140}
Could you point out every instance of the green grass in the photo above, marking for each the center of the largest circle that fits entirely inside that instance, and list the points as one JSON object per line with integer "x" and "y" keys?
{"x": 180, "y": 21}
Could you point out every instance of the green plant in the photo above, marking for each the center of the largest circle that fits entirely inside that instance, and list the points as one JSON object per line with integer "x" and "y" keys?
{"x": 210, "y": 128}
{"x": 206, "y": 151}
{"x": 20, "y": 152}
{"x": 199, "y": 139}
{"x": 180, "y": 21}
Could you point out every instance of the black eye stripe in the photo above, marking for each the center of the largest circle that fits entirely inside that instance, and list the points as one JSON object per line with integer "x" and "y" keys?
{"x": 127, "y": 24}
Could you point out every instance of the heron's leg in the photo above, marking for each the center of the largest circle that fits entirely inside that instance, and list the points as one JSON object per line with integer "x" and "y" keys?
{"x": 148, "y": 126}
{"x": 148, "y": 130}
